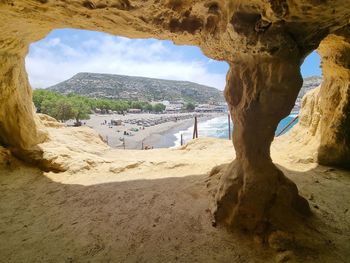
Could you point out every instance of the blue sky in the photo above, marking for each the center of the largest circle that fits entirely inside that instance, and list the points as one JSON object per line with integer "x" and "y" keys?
{"x": 311, "y": 65}
{"x": 66, "y": 52}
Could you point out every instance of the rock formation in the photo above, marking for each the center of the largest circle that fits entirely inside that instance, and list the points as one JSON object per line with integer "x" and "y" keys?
{"x": 253, "y": 190}
{"x": 264, "y": 41}
{"x": 335, "y": 100}
{"x": 324, "y": 118}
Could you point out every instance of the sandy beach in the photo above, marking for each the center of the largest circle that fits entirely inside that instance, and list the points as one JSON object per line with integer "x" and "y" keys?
{"x": 159, "y": 133}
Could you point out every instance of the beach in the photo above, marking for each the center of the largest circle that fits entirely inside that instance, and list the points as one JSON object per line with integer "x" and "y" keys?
{"x": 133, "y": 129}
{"x": 146, "y": 130}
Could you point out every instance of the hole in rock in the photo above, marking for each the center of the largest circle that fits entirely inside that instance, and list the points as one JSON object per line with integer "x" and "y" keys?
{"x": 119, "y": 87}
{"x": 83, "y": 62}
{"x": 312, "y": 75}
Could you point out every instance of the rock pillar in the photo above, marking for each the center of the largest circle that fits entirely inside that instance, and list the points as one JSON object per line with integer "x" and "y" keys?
{"x": 253, "y": 193}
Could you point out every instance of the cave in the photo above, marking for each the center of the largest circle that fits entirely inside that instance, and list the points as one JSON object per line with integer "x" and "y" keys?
{"x": 264, "y": 42}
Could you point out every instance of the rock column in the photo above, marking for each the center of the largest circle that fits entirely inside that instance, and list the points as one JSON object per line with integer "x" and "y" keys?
{"x": 253, "y": 193}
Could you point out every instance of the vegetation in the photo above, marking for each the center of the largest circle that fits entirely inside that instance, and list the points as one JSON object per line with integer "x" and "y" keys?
{"x": 190, "y": 106}
{"x": 159, "y": 107}
{"x": 72, "y": 106}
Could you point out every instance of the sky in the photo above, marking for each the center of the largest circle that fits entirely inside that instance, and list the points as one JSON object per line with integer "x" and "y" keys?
{"x": 65, "y": 52}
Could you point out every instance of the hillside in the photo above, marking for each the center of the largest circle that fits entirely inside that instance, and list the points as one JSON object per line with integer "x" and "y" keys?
{"x": 149, "y": 89}
{"x": 137, "y": 88}
{"x": 309, "y": 83}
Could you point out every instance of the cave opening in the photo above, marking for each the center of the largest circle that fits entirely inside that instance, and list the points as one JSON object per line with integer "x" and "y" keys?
{"x": 71, "y": 52}
{"x": 312, "y": 78}
{"x": 117, "y": 73}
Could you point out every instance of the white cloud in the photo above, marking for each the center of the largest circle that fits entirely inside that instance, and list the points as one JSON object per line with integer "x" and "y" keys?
{"x": 52, "y": 61}
{"x": 53, "y": 42}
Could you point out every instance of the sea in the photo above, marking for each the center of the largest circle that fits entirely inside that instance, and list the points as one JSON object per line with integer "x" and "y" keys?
{"x": 218, "y": 128}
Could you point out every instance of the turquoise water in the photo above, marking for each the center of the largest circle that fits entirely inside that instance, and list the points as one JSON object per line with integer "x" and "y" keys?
{"x": 217, "y": 128}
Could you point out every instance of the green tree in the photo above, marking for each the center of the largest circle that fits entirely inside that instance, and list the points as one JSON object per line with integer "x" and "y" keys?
{"x": 73, "y": 106}
{"x": 149, "y": 107}
{"x": 41, "y": 95}
{"x": 136, "y": 105}
{"x": 81, "y": 108}
{"x": 47, "y": 106}
{"x": 190, "y": 106}
{"x": 159, "y": 107}
{"x": 63, "y": 110}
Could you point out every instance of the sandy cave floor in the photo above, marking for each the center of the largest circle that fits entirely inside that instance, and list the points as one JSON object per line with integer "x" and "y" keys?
{"x": 151, "y": 206}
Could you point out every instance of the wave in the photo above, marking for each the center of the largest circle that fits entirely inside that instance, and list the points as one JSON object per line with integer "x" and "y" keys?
{"x": 218, "y": 128}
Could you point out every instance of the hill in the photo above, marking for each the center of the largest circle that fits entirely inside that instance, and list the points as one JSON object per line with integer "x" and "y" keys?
{"x": 149, "y": 89}
{"x": 309, "y": 83}
{"x": 137, "y": 88}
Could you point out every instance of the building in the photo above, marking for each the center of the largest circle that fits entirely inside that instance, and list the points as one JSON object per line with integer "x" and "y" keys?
{"x": 174, "y": 108}
{"x": 211, "y": 108}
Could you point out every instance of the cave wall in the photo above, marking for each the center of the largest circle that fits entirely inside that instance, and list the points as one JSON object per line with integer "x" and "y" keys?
{"x": 323, "y": 131}
{"x": 18, "y": 125}
{"x": 334, "y": 100}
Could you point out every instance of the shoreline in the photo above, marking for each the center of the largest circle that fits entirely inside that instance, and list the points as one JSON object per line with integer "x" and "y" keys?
{"x": 160, "y": 134}
{"x": 163, "y": 132}
{"x": 167, "y": 138}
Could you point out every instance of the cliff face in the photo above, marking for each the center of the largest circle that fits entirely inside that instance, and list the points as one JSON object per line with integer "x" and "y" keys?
{"x": 265, "y": 43}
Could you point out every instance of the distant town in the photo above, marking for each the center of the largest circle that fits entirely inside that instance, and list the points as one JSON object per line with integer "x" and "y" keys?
{"x": 180, "y": 107}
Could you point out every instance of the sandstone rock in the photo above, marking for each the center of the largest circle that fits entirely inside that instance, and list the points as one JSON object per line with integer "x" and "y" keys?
{"x": 5, "y": 157}
{"x": 280, "y": 241}
{"x": 335, "y": 100}
{"x": 48, "y": 121}
{"x": 285, "y": 256}
{"x": 324, "y": 124}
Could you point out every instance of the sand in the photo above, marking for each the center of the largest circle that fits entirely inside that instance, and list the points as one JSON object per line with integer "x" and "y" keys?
{"x": 113, "y": 205}
{"x": 157, "y": 136}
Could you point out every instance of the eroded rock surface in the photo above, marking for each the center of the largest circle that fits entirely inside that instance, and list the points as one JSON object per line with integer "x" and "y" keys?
{"x": 324, "y": 124}
{"x": 254, "y": 194}
{"x": 335, "y": 100}
{"x": 265, "y": 43}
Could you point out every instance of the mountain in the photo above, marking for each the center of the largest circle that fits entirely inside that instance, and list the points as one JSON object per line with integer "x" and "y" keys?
{"x": 137, "y": 88}
{"x": 149, "y": 89}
